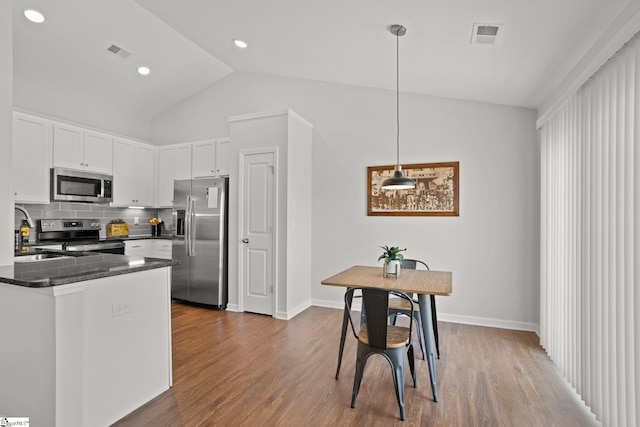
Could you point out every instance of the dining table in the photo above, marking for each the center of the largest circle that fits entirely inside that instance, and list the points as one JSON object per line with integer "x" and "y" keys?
{"x": 421, "y": 282}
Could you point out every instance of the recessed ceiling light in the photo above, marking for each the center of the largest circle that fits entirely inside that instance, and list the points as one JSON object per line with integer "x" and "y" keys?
{"x": 240, "y": 43}
{"x": 144, "y": 70}
{"x": 34, "y": 16}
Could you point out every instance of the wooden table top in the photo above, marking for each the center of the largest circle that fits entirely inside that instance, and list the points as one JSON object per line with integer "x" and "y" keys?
{"x": 416, "y": 281}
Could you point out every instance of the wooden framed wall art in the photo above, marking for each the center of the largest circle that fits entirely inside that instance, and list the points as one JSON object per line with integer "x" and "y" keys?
{"x": 436, "y": 194}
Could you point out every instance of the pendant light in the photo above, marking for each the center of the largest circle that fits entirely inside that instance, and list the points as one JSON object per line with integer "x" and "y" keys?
{"x": 398, "y": 181}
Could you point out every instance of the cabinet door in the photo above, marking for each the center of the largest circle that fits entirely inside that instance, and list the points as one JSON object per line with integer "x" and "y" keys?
{"x": 98, "y": 152}
{"x": 31, "y": 158}
{"x": 138, "y": 248}
{"x": 174, "y": 162}
{"x": 124, "y": 172}
{"x": 163, "y": 249}
{"x": 145, "y": 166}
{"x": 223, "y": 156}
{"x": 68, "y": 146}
{"x": 204, "y": 156}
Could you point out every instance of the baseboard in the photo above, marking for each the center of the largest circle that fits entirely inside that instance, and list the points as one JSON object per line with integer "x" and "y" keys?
{"x": 453, "y": 318}
{"x": 290, "y": 314}
{"x": 328, "y": 303}
{"x": 488, "y": 321}
{"x": 233, "y": 307}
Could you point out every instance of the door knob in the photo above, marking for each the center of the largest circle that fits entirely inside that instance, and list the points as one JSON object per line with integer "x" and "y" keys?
{"x": 245, "y": 240}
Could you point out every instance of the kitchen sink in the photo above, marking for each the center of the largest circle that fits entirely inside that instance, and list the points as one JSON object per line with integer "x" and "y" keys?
{"x": 38, "y": 257}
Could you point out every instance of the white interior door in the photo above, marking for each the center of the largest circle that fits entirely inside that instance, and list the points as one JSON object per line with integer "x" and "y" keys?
{"x": 257, "y": 231}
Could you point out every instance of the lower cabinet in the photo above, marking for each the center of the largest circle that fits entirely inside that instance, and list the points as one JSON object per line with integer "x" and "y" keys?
{"x": 163, "y": 249}
{"x": 151, "y": 248}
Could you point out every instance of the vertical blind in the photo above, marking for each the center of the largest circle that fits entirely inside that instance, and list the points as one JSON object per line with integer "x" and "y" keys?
{"x": 590, "y": 239}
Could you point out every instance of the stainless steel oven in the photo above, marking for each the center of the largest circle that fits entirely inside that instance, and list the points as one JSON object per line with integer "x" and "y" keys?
{"x": 77, "y": 234}
{"x": 77, "y": 186}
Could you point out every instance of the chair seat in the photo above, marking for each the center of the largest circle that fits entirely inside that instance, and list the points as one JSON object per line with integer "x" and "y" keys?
{"x": 402, "y": 304}
{"x": 397, "y": 336}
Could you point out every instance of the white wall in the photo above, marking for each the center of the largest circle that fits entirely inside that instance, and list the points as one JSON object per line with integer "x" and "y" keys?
{"x": 492, "y": 247}
{"x": 6, "y": 157}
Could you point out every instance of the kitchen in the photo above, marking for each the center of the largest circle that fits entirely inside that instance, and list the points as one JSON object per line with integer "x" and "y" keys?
{"x": 345, "y": 141}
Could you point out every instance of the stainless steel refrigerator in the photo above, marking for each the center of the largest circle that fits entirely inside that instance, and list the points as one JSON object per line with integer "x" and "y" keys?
{"x": 200, "y": 224}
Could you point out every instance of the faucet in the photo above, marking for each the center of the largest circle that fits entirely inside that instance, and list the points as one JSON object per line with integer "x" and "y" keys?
{"x": 26, "y": 214}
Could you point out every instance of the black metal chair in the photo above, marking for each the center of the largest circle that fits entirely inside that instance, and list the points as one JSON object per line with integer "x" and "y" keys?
{"x": 399, "y": 306}
{"x": 377, "y": 336}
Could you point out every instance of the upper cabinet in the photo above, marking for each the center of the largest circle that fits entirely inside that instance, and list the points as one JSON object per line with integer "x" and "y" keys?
{"x": 81, "y": 149}
{"x": 31, "y": 158}
{"x": 174, "y": 162}
{"x": 133, "y": 173}
{"x": 211, "y": 158}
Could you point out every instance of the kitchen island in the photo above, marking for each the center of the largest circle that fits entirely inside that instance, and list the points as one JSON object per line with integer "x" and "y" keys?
{"x": 86, "y": 338}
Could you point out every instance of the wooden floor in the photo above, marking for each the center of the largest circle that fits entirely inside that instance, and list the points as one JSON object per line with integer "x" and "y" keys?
{"x": 242, "y": 369}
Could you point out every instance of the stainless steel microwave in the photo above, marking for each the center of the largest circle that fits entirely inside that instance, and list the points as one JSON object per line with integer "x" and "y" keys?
{"x": 77, "y": 186}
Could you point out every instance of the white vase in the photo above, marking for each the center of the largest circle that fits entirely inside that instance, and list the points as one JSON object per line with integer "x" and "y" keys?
{"x": 392, "y": 269}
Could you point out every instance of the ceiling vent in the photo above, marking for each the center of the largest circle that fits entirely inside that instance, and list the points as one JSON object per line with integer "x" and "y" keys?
{"x": 117, "y": 50}
{"x": 486, "y": 34}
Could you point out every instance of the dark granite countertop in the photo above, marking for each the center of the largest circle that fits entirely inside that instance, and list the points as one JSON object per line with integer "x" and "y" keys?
{"x": 105, "y": 239}
{"x": 70, "y": 267}
{"x": 142, "y": 237}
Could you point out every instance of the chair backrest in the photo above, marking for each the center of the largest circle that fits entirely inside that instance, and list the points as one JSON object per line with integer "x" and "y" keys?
{"x": 411, "y": 264}
{"x": 375, "y": 303}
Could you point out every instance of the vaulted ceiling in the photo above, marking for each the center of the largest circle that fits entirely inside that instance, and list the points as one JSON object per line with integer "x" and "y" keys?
{"x": 188, "y": 46}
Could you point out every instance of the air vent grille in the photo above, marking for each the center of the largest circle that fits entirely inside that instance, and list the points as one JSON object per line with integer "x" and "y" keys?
{"x": 117, "y": 50}
{"x": 486, "y": 34}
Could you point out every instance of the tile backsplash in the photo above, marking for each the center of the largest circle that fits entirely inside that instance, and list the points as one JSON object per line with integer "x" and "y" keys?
{"x": 105, "y": 213}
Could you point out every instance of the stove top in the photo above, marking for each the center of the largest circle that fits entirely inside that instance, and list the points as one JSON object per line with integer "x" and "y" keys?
{"x": 68, "y": 224}
{"x": 76, "y": 235}
{"x": 68, "y": 230}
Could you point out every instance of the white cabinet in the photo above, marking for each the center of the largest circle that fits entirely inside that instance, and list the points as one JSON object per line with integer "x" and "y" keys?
{"x": 223, "y": 156}
{"x": 140, "y": 247}
{"x": 81, "y": 149}
{"x": 98, "y": 152}
{"x": 152, "y": 248}
{"x": 211, "y": 158}
{"x": 133, "y": 173}
{"x": 174, "y": 162}
{"x": 31, "y": 158}
{"x": 162, "y": 249}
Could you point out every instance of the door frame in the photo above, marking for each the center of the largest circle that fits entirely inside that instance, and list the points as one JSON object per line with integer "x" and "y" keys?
{"x": 242, "y": 154}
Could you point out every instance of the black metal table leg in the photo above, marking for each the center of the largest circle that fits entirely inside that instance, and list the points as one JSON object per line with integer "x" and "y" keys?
{"x": 427, "y": 327}
{"x": 343, "y": 335}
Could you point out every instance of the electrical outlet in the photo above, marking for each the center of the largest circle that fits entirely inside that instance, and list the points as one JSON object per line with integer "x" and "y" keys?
{"x": 120, "y": 308}
{"x": 136, "y": 220}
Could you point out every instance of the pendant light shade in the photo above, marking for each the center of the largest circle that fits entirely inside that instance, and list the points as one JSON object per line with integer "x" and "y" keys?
{"x": 398, "y": 181}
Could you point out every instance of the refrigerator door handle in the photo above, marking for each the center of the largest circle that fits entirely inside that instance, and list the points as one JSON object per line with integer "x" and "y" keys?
{"x": 192, "y": 226}
{"x": 187, "y": 228}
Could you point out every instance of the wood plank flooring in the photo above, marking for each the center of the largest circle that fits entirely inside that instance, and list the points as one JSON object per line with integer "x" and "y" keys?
{"x": 243, "y": 369}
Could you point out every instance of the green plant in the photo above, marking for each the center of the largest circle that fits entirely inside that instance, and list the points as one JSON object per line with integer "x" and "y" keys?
{"x": 391, "y": 254}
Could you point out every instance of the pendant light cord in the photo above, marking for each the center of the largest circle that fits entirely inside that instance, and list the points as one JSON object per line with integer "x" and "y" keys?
{"x": 397, "y": 98}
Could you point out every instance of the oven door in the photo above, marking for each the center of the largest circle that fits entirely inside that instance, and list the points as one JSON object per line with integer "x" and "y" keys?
{"x": 99, "y": 247}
